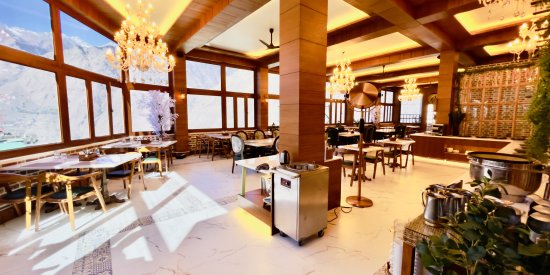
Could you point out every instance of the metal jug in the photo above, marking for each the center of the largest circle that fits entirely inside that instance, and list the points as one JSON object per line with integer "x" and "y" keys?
{"x": 454, "y": 203}
{"x": 284, "y": 157}
{"x": 434, "y": 207}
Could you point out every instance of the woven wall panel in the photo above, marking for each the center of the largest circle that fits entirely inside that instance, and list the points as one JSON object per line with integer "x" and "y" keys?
{"x": 496, "y": 100}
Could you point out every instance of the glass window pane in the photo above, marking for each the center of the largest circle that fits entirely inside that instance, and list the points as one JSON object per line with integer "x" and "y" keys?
{"x": 117, "y": 103}
{"x": 25, "y": 25}
{"x": 250, "y": 102}
{"x": 273, "y": 83}
{"x": 357, "y": 115}
{"x": 389, "y": 97}
{"x": 411, "y": 111}
{"x": 273, "y": 111}
{"x": 85, "y": 48}
{"x": 149, "y": 77}
{"x": 327, "y": 112}
{"x": 240, "y": 112}
{"x": 239, "y": 80}
{"x": 333, "y": 118}
{"x": 203, "y": 75}
{"x": 101, "y": 109}
{"x": 29, "y": 113}
{"x": 78, "y": 108}
{"x": 230, "y": 115}
{"x": 139, "y": 101}
{"x": 205, "y": 112}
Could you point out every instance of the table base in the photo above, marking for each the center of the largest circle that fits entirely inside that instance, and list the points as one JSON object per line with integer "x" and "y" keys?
{"x": 358, "y": 201}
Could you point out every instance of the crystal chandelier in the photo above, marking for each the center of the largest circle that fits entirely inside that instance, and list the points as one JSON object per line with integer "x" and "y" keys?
{"x": 139, "y": 44}
{"x": 342, "y": 79}
{"x": 410, "y": 91}
{"x": 520, "y": 6}
{"x": 528, "y": 40}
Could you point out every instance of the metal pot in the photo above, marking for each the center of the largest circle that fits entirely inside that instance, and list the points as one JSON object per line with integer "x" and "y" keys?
{"x": 284, "y": 157}
{"x": 518, "y": 175}
{"x": 434, "y": 207}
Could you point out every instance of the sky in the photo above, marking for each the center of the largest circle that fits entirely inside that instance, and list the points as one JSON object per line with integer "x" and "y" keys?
{"x": 34, "y": 15}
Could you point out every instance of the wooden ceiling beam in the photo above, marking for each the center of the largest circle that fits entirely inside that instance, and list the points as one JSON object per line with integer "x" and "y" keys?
{"x": 401, "y": 14}
{"x": 95, "y": 14}
{"x": 419, "y": 70}
{"x": 441, "y": 9}
{"x": 390, "y": 58}
{"x": 489, "y": 38}
{"x": 363, "y": 30}
{"x": 213, "y": 20}
{"x": 219, "y": 57}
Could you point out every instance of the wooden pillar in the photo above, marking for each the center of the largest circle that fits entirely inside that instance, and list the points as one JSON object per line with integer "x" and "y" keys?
{"x": 261, "y": 102}
{"x": 180, "y": 95}
{"x": 447, "y": 73}
{"x": 302, "y": 60}
{"x": 349, "y": 114}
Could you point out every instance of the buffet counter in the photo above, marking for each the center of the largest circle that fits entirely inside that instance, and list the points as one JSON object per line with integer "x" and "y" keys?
{"x": 456, "y": 148}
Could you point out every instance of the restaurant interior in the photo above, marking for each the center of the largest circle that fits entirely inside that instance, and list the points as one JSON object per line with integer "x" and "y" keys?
{"x": 274, "y": 137}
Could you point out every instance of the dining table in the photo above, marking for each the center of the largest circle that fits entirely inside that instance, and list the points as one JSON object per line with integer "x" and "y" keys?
{"x": 265, "y": 142}
{"x": 66, "y": 162}
{"x": 366, "y": 149}
{"x": 136, "y": 144}
{"x": 219, "y": 136}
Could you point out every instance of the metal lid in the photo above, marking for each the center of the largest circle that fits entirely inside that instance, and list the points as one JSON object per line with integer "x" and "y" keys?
{"x": 500, "y": 157}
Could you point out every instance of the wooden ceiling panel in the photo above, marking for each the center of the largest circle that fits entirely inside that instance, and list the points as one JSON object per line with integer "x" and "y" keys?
{"x": 419, "y": 70}
{"x": 99, "y": 16}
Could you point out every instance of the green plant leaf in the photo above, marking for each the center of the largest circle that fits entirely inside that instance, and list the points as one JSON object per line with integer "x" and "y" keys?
{"x": 475, "y": 253}
{"x": 531, "y": 250}
{"x": 471, "y": 235}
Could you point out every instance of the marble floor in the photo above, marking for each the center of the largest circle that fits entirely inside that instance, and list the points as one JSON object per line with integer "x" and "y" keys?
{"x": 189, "y": 222}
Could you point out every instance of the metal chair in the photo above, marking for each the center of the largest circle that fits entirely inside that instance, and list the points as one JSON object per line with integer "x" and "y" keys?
{"x": 242, "y": 134}
{"x": 24, "y": 195}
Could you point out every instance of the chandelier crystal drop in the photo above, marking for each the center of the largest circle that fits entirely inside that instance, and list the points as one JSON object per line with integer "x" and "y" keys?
{"x": 530, "y": 37}
{"x": 139, "y": 44}
{"x": 410, "y": 91}
{"x": 342, "y": 79}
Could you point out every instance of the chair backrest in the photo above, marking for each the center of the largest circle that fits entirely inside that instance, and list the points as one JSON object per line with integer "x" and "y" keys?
{"x": 242, "y": 135}
{"x": 368, "y": 134}
{"x": 51, "y": 177}
{"x": 259, "y": 134}
{"x": 332, "y": 135}
{"x": 147, "y": 149}
{"x": 400, "y": 130}
{"x": 275, "y": 145}
{"x": 275, "y": 133}
{"x": 237, "y": 144}
{"x": 8, "y": 179}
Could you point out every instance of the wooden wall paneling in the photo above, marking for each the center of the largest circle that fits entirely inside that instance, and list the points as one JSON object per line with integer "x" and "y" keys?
{"x": 90, "y": 108}
{"x": 224, "y": 99}
{"x": 178, "y": 80}
{"x": 447, "y": 73}
{"x": 262, "y": 98}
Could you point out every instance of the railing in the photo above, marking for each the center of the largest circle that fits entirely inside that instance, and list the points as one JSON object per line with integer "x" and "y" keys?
{"x": 406, "y": 118}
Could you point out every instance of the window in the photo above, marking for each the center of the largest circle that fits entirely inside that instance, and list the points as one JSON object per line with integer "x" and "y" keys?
{"x": 85, "y": 48}
{"x": 101, "y": 109}
{"x": 411, "y": 111}
{"x": 25, "y": 25}
{"x": 78, "y": 108}
{"x": 327, "y": 112}
{"x": 273, "y": 83}
{"x": 241, "y": 117}
{"x": 117, "y": 103}
{"x": 273, "y": 111}
{"x": 29, "y": 113}
{"x": 239, "y": 80}
{"x": 230, "y": 115}
{"x": 139, "y": 101}
{"x": 250, "y": 102}
{"x": 203, "y": 75}
{"x": 204, "y": 112}
{"x": 386, "y": 106}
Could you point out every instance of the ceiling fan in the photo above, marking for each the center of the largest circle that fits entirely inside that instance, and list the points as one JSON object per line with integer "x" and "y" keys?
{"x": 270, "y": 46}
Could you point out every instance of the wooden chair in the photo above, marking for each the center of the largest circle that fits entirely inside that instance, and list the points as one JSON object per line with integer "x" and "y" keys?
{"x": 348, "y": 164}
{"x": 126, "y": 172}
{"x": 409, "y": 151}
{"x": 221, "y": 147}
{"x": 201, "y": 142}
{"x": 392, "y": 154}
{"x": 242, "y": 134}
{"x": 152, "y": 156}
{"x": 275, "y": 133}
{"x": 66, "y": 193}
{"x": 24, "y": 195}
{"x": 377, "y": 157}
{"x": 273, "y": 150}
{"x": 259, "y": 134}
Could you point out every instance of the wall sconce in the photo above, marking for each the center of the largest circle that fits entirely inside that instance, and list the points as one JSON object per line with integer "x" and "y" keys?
{"x": 182, "y": 96}
{"x": 182, "y": 93}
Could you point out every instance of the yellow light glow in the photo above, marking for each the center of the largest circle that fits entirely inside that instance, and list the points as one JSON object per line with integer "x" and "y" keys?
{"x": 403, "y": 77}
{"x": 381, "y": 45}
{"x": 260, "y": 53}
{"x": 341, "y": 14}
{"x": 499, "y": 49}
{"x": 164, "y": 13}
{"x": 251, "y": 224}
{"x": 479, "y": 20}
{"x": 404, "y": 65}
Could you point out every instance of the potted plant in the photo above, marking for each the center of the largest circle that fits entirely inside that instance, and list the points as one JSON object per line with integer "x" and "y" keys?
{"x": 488, "y": 238}
{"x": 539, "y": 110}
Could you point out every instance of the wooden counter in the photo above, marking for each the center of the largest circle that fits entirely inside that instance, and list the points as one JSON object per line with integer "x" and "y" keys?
{"x": 436, "y": 146}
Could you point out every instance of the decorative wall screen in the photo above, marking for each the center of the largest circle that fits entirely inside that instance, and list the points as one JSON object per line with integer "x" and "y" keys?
{"x": 496, "y": 99}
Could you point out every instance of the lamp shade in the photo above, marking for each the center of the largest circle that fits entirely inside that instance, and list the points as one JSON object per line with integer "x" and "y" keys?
{"x": 363, "y": 96}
